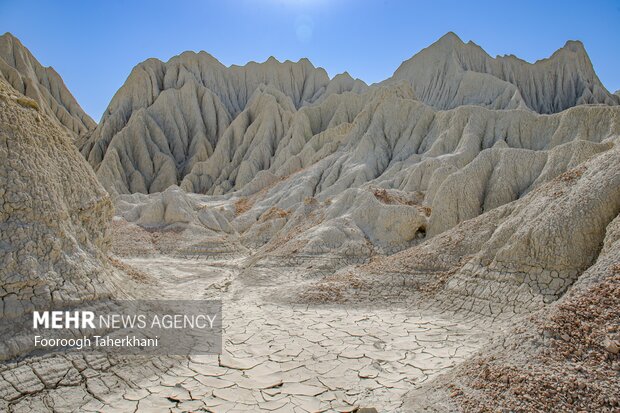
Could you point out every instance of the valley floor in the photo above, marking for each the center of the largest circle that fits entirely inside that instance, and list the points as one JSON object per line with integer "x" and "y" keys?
{"x": 277, "y": 356}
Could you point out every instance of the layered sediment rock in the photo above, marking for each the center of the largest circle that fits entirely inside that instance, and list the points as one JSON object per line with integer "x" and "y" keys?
{"x": 572, "y": 344}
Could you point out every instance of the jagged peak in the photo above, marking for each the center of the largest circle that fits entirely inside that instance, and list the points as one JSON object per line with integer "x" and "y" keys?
{"x": 43, "y": 84}
{"x": 343, "y": 75}
{"x": 14, "y": 43}
{"x": 451, "y": 57}
{"x": 575, "y": 46}
{"x": 201, "y": 56}
{"x": 450, "y": 38}
{"x": 10, "y": 36}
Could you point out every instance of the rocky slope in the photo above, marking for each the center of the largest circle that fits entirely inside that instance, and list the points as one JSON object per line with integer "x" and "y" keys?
{"x": 542, "y": 270}
{"x": 566, "y": 355}
{"x": 210, "y": 129}
{"x": 169, "y": 116}
{"x": 484, "y": 190}
{"x": 393, "y": 182}
{"x": 53, "y": 218}
{"x": 42, "y": 84}
{"x": 384, "y": 166}
{"x": 451, "y": 73}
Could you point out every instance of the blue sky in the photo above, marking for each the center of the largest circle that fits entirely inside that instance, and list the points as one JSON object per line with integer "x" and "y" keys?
{"x": 94, "y": 45}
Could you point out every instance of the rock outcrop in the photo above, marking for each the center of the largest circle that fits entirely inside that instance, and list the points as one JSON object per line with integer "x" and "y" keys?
{"x": 450, "y": 73}
{"x": 210, "y": 129}
{"x": 53, "y": 217}
{"x": 442, "y": 167}
{"x": 542, "y": 270}
{"x": 42, "y": 84}
{"x": 169, "y": 116}
{"x": 478, "y": 198}
{"x": 572, "y": 344}
{"x": 174, "y": 223}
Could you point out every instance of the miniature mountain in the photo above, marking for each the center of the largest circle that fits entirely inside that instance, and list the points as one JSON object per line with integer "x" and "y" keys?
{"x": 42, "y": 84}
{"x": 450, "y": 73}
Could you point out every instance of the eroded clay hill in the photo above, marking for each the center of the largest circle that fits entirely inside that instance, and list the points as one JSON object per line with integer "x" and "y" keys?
{"x": 44, "y": 85}
{"x": 312, "y": 166}
{"x": 169, "y": 116}
{"x": 563, "y": 238}
{"x": 544, "y": 269}
{"x": 211, "y": 129}
{"x": 53, "y": 217}
{"x": 451, "y": 73}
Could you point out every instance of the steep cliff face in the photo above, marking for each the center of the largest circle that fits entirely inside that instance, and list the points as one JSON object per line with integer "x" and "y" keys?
{"x": 450, "y": 73}
{"x": 22, "y": 71}
{"x": 169, "y": 116}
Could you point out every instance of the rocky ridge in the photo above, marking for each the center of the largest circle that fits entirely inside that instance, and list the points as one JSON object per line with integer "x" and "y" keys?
{"x": 195, "y": 123}
{"x": 169, "y": 116}
{"x": 44, "y": 85}
{"x": 451, "y": 73}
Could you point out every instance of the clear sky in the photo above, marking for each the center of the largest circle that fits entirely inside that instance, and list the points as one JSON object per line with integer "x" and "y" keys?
{"x": 94, "y": 45}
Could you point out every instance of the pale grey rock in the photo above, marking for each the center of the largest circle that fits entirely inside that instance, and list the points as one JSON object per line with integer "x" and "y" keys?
{"x": 532, "y": 344}
{"x": 171, "y": 207}
{"x": 525, "y": 254}
{"x": 454, "y": 164}
{"x": 53, "y": 219}
{"x": 499, "y": 176}
{"x": 450, "y": 73}
{"x": 169, "y": 116}
{"x": 22, "y": 71}
{"x": 210, "y": 129}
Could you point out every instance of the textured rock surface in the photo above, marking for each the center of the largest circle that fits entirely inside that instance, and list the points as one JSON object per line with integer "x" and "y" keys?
{"x": 174, "y": 222}
{"x": 570, "y": 347}
{"x": 210, "y": 129}
{"x": 450, "y": 73}
{"x": 42, "y": 84}
{"x": 53, "y": 215}
{"x": 447, "y": 166}
{"x": 518, "y": 257}
{"x": 550, "y": 257}
{"x": 169, "y": 116}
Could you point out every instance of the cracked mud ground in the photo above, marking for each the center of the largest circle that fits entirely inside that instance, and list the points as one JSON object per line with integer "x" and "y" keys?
{"x": 277, "y": 357}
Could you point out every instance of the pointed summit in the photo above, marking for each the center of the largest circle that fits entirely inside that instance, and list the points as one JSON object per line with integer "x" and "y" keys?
{"x": 450, "y": 38}
{"x": 444, "y": 79}
{"x": 24, "y": 72}
{"x": 447, "y": 42}
{"x": 574, "y": 46}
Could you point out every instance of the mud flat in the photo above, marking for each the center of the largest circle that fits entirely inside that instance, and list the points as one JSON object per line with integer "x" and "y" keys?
{"x": 277, "y": 357}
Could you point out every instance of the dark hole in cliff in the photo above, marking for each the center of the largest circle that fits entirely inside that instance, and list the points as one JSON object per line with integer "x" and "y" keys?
{"x": 421, "y": 232}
